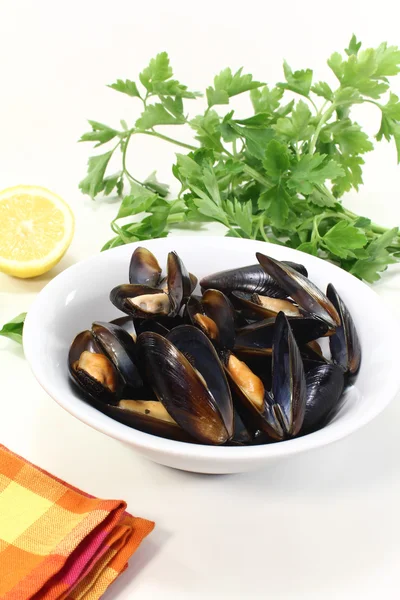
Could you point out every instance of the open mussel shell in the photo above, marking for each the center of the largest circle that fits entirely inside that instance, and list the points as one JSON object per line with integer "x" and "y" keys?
{"x": 258, "y": 337}
{"x": 120, "y": 348}
{"x": 127, "y": 324}
{"x": 266, "y": 306}
{"x": 251, "y": 279}
{"x": 344, "y": 344}
{"x": 251, "y": 398}
{"x": 92, "y": 370}
{"x": 325, "y": 385}
{"x": 179, "y": 283}
{"x": 140, "y": 301}
{"x": 288, "y": 379}
{"x": 144, "y": 268}
{"x": 186, "y": 392}
{"x": 151, "y": 325}
{"x": 305, "y": 293}
{"x": 215, "y": 316}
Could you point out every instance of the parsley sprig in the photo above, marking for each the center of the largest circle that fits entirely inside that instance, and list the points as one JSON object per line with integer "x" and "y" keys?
{"x": 277, "y": 175}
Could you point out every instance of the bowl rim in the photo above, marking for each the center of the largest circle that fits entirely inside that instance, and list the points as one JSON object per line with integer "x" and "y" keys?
{"x": 224, "y": 454}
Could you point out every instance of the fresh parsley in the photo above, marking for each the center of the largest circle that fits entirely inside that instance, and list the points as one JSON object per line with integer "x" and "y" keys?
{"x": 277, "y": 175}
{"x": 14, "y": 328}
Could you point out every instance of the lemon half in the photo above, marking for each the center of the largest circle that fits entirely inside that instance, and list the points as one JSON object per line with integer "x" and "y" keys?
{"x": 36, "y": 229}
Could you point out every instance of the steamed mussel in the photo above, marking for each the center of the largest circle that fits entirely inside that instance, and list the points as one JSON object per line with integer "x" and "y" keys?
{"x": 239, "y": 364}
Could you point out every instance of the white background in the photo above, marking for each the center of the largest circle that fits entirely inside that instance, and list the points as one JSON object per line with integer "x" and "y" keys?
{"x": 321, "y": 526}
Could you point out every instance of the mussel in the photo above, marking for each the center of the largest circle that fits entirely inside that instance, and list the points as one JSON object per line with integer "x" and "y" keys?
{"x": 251, "y": 279}
{"x": 305, "y": 293}
{"x": 141, "y": 300}
{"x": 344, "y": 344}
{"x": 214, "y": 315}
{"x": 190, "y": 382}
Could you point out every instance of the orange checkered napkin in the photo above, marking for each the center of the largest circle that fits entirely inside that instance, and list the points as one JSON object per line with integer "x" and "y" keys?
{"x": 56, "y": 542}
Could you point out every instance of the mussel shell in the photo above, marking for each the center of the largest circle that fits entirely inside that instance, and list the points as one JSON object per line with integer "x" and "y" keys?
{"x": 151, "y": 325}
{"x": 253, "y": 417}
{"x": 246, "y": 301}
{"x": 303, "y": 291}
{"x": 344, "y": 344}
{"x": 250, "y": 279}
{"x": 120, "y": 348}
{"x": 197, "y": 348}
{"x": 179, "y": 283}
{"x": 92, "y": 389}
{"x": 260, "y": 335}
{"x": 127, "y": 324}
{"x": 288, "y": 378}
{"x": 325, "y": 385}
{"x": 182, "y": 391}
{"x": 241, "y": 435}
{"x": 144, "y": 268}
{"x": 218, "y": 308}
{"x": 119, "y": 297}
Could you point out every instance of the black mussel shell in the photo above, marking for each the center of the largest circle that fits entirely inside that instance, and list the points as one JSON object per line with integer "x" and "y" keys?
{"x": 92, "y": 388}
{"x": 325, "y": 385}
{"x": 179, "y": 283}
{"x": 241, "y": 435}
{"x": 344, "y": 344}
{"x": 144, "y": 268}
{"x": 120, "y": 348}
{"x": 260, "y": 335}
{"x": 196, "y": 347}
{"x": 251, "y": 279}
{"x": 127, "y": 324}
{"x": 152, "y": 325}
{"x": 302, "y": 290}
{"x": 183, "y": 391}
{"x": 120, "y": 295}
{"x": 252, "y": 302}
{"x": 288, "y": 379}
{"x": 218, "y": 308}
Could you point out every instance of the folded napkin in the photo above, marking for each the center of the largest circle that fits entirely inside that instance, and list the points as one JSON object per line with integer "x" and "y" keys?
{"x": 56, "y": 542}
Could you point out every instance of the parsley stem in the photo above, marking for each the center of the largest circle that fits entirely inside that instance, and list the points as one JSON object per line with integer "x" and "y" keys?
{"x": 124, "y": 168}
{"x": 167, "y": 139}
{"x": 324, "y": 118}
{"x": 257, "y": 176}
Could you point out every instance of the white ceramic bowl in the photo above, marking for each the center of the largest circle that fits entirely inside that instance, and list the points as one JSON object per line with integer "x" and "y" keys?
{"x": 80, "y": 295}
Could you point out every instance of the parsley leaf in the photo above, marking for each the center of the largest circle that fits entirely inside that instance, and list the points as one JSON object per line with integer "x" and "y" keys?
{"x": 299, "y": 81}
{"x": 313, "y": 170}
{"x": 126, "y": 87}
{"x": 342, "y": 238}
{"x": 14, "y": 328}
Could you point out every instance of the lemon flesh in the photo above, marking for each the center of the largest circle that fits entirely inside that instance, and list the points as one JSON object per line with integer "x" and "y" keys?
{"x": 36, "y": 229}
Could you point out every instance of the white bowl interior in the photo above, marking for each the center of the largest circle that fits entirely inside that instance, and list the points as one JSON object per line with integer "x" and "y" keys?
{"x": 80, "y": 295}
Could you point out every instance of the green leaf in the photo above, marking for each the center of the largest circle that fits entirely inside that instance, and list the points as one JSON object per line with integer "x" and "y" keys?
{"x": 93, "y": 183}
{"x": 322, "y": 89}
{"x": 335, "y": 62}
{"x": 349, "y": 136}
{"x": 227, "y": 85}
{"x": 342, "y": 238}
{"x": 392, "y": 108}
{"x": 156, "y": 114}
{"x": 208, "y": 129}
{"x": 362, "y": 222}
{"x": 188, "y": 168}
{"x": 14, "y": 328}
{"x": 265, "y": 100}
{"x": 158, "y": 70}
{"x": 242, "y": 214}
{"x": 216, "y": 96}
{"x": 275, "y": 202}
{"x": 313, "y": 170}
{"x": 256, "y": 139}
{"x": 299, "y": 81}
{"x": 351, "y": 177}
{"x": 173, "y": 88}
{"x": 126, "y": 87}
{"x": 379, "y": 258}
{"x": 309, "y": 247}
{"x": 111, "y": 182}
{"x": 354, "y": 46}
{"x": 320, "y": 199}
{"x": 276, "y": 159}
{"x": 136, "y": 203}
{"x": 174, "y": 106}
{"x": 151, "y": 182}
{"x": 100, "y": 133}
{"x": 258, "y": 121}
{"x": 387, "y": 60}
{"x": 347, "y": 95}
{"x": 301, "y": 116}
{"x": 211, "y": 185}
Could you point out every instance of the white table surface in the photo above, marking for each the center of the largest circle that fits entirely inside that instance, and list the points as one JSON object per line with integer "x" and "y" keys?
{"x": 324, "y": 525}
